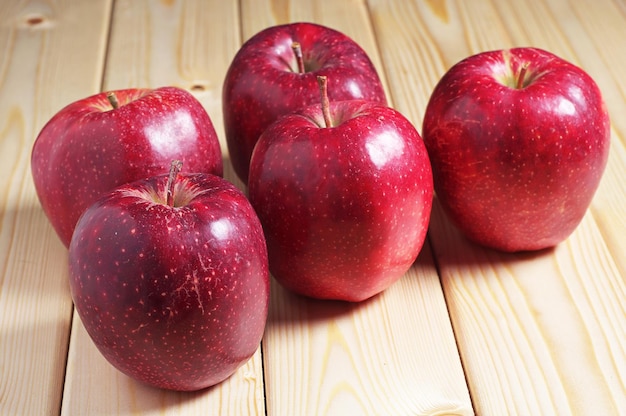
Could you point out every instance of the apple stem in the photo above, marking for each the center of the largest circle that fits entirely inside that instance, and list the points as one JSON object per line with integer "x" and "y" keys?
{"x": 175, "y": 167}
{"x": 297, "y": 50}
{"x": 521, "y": 76}
{"x": 113, "y": 100}
{"x": 323, "y": 83}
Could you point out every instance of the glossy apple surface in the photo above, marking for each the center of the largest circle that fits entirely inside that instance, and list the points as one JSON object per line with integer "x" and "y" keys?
{"x": 518, "y": 141}
{"x": 89, "y": 147}
{"x": 174, "y": 296}
{"x": 345, "y": 208}
{"x": 264, "y": 81}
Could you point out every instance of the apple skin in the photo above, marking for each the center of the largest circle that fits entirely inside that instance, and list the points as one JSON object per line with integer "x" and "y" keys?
{"x": 88, "y": 148}
{"x": 344, "y": 209}
{"x": 263, "y": 82}
{"x": 173, "y": 296}
{"x": 516, "y": 168}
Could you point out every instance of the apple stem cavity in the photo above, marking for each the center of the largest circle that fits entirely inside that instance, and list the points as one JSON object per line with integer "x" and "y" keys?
{"x": 521, "y": 78}
{"x": 113, "y": 100}
{"x": 297, "y": 51}
{"x": 175, "y": 168}
{"x": 323, "y": 84}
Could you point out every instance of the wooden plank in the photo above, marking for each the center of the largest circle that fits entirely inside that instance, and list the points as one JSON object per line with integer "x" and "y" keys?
{"x": 588, "y": 34}
{"x": 42, "y": 68}
{"x": 599, "y": 53}
{"x": 187, "y": 44}
{"x": 394, "y": 354}
{"x": 539, "y": 333}
{"x": 93, "y": 386}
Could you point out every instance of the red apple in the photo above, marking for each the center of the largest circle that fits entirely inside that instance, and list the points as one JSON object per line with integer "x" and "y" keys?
{"x": 97, "y": 143}
{"x": 266, "y": 79}
{"x": 172, "y": 287}
{"x": 518, "y": 141}
{"x": 345, "y": 203}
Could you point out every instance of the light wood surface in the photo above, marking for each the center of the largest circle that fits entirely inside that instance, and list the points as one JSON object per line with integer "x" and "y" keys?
{"x": 465, "y": 331}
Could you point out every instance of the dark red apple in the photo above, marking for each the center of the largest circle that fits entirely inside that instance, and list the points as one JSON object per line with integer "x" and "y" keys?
{"x": 345, "y": 203}
{"x": 97, "y": 143}
{"x": 518, "y": 141}
{"x": 266, "y": 80}
{"x": 172, "y": 287}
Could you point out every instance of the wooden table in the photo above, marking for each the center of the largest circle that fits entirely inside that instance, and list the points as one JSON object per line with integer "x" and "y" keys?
{"x": 465, "y": 331}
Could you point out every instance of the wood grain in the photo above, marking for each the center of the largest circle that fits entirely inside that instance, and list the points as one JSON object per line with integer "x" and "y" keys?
{"x": 530, "y": 333}
{"x": 94, "y": 387}
{"x": 391, "y": 355}
{"x": 37, "y": 77}
{"x": 342, "y": 358}
{"x": 600, "y": 54}
{"x": 169, "y": 44}
{"x": 539, "y": 333}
